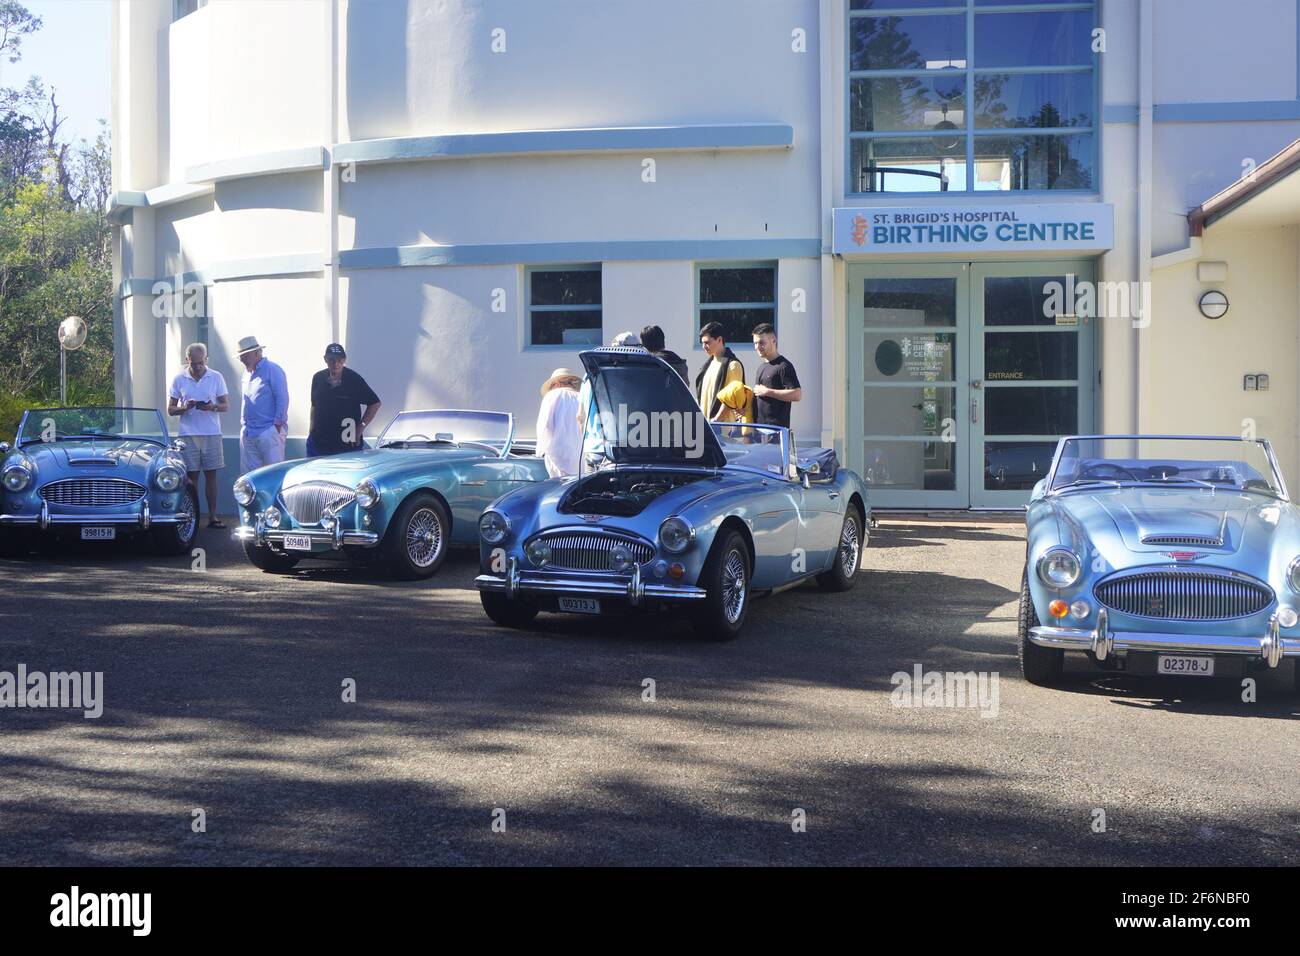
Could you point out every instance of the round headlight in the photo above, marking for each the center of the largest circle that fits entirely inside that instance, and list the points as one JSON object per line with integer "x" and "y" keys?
{"x": 167, "y": 478}
{"x": 493, "y": 526}
{"x": 244, "y": 492}
{"x": 1286, "y": 616}
{"x": 1059, "y": 568}
{"x": 620, "y": 558}
{"x": 367, "y": 493}
{"x": 1293, "y": 575}
{"x": 16, "y": 477}
{"x": 675, "y": 535}
{"x": 272, "y": 517}
{"x": 539, "y": 553}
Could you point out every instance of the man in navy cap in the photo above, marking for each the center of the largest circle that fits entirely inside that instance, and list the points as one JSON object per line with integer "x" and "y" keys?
{"x": 342, "y": 405}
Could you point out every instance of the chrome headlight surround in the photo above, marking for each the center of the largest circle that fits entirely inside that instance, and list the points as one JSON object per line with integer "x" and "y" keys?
{"x": 17, "y": 476}
{"x": 367, "y": 493}
{"x": 1059, "y": 568}
{"x": 675, "y": 535}
{"x": 245, "y": 493}
{"x": 168, "y": 478}
{"x": 1293, "y": 575}
{"x": 538, "y": 552}
{"x": 493, "y": 526}
{"x": 272, "y": 517}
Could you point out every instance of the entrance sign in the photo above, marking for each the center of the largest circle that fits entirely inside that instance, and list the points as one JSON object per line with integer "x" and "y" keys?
{"x": 1011, "y": 227}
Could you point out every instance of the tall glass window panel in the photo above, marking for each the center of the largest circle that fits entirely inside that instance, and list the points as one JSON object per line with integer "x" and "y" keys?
{"x": 908, "y": 42}
{"x": 1033, "y": 100}
{"x": 1041, "y": 38}
{"x": 1004, "y": 163}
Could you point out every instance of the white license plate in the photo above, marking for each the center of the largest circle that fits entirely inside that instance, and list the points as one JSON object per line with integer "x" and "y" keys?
{"x": 297, "y": 542}
{"x": 579, "y": 605}
{"x": 1185, "y": 666}
{"x": 98, "y": 534}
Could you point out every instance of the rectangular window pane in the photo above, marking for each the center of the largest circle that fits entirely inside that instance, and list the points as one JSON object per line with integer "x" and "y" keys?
{"x": 578, "y": 327}
{"x": 738, "y": 324}
{"x": 920, "y": 410}
{"x": 1021, "y": 356}
{"x": 1033, "y": 100}
{"x": 907, "y": 165}
{"x": 1034, "y": 39}
{"x": 903, "y": 4}
{"x": 898, "y": 103}
{"x": 910, "y": 356}
{"x": 1033, "y": 162}
{"x": 910, "y": 465}
{"x": 913, "y": 303}
{"x": 738, "y": 284}
{"x": 1048, "y": 410}
{"x": 1022, "y": 300}
{"x": 565, "y": 287}
{"x": 1016, "y": 465}
{"x": 908, "y": 42}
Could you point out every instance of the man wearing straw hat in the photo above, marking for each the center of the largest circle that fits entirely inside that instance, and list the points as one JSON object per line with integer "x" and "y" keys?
{"x": 559, "y": 434}
{"x": 264, "y": 417}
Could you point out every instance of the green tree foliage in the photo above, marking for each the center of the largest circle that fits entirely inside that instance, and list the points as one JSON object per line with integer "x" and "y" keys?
{"x": 55, "y": 237}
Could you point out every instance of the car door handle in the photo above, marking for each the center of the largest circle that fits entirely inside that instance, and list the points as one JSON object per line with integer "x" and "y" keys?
{"x": 832, "y": 494}
{"x": 473, "y": 484}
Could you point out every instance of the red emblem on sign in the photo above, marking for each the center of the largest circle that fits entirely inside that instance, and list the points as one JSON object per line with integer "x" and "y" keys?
{"x": 859, "y": 232}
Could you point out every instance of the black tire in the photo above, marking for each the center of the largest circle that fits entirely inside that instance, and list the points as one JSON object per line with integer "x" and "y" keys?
{"x": 15, "y": 542}
{"x": 1039, "y": 665}
{"x": 719, "y": 617}
{"x": 506, "y": 612}
{"x": 272, "y": 562}
{"x": 848, "y": 555}
{"x": 415, "y": 544}
{"x": 178, "y": 538}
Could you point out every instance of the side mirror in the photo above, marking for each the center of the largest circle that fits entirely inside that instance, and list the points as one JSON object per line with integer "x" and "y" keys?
{"x": 4, "y": 448}
{"x": 177, "y": 445}
{"x": 1040, "y": 489}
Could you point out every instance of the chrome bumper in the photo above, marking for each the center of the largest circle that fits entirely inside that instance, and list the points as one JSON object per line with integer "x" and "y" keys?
{"x": 44, "y": 520}
{"x": 632, "y": 587}
{"x": 334, "y": 540}
{"x": 1271, "y": 647}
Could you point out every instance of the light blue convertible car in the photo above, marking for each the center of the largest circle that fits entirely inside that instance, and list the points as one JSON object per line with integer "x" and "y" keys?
{"x": 402, "y": 502}
{"x": 94, "y": 474}
{"x": 670, "y": 513}
{"x": 1165, "y": 555}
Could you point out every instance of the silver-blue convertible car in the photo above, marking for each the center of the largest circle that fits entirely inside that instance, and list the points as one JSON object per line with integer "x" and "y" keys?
{"x": 670, "y": 512}
{"x": 94, "y": 474}
{"x": 421, "y": 489}
{"x": 1165, "y": 555}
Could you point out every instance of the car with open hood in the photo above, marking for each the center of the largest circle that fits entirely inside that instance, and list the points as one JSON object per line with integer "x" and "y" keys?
{"x": 94, "y": 473}
{"x": 404, "y": 502}
{"x": 670, "y": 512}
{"x": 1161, "y": 555}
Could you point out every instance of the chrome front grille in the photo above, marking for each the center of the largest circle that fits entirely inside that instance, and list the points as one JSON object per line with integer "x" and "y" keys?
{"x": 92, "y": 492}
{"x": 308, "y": 501}
{"x": 1195, "y": 540}
{"x": 1198, "y": 595}
{"x": 590, "y": 550}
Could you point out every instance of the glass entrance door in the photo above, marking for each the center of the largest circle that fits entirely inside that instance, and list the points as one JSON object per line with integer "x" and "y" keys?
{"x": 1031, "y": 374}
{"x": 963, "y": 379}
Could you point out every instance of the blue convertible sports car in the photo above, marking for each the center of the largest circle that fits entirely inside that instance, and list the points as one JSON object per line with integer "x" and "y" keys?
{"x": 1167, "y": 555}
{"x": 404, "y": 501}
{"x": 674, "y": 513}
{"x": 96, "y": 474}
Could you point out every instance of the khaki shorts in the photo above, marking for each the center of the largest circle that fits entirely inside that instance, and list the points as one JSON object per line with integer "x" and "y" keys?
{"x": 203, "y": 453}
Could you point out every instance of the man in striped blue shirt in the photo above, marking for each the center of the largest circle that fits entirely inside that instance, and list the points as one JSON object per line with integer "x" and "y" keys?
{"x": 264, "y": 420}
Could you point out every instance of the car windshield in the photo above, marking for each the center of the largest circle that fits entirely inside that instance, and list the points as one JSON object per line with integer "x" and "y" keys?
{"x": 1228, "y": 464}
{"x": 91, "y": 422}
{"x": 764, "y": 448}
{"x": 430, "y": 428}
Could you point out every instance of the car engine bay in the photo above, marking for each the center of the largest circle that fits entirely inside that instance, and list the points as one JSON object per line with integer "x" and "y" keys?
{"x": 623, "y": 493}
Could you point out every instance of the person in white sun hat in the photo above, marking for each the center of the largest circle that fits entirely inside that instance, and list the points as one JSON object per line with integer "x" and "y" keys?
{"x": 264, "y": 414}
{"x": 559, "y": 436}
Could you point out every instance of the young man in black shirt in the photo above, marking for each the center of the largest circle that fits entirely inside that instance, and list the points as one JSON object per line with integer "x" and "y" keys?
{"x": 342, "y": 405}
{"x": 777, "y": 384}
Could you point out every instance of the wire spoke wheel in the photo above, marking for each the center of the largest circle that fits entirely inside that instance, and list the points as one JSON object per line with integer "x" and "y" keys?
{"x": 850, "y": 548}
{"x": 733, "y": 586}
{"x": 187, "y": 519}
{"x": 423, "y": 537}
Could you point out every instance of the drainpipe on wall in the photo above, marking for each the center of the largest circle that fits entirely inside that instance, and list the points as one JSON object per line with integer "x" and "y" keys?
{"x": 1146, "y": 131}
{"x": 330, "y": 203}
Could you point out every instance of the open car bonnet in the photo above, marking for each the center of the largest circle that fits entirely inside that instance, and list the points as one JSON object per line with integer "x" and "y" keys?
{"x": 647, "y": 414}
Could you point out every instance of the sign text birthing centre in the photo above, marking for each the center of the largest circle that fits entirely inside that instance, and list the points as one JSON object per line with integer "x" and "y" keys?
{"x": 1021, "y": 227}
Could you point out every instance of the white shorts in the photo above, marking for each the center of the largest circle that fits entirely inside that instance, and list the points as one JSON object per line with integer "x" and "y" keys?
{"x": 203, "y": 453}
{"x": 258, "y": 450}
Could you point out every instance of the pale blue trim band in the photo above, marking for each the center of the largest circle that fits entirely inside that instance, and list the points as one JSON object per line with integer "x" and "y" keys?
{"x": 261, "y": 164}
{"x": 729, "y": 136}
{"x": 1246, "y": 112}
{"x": 300, "y": 263}
{"x": 528, "y": 253}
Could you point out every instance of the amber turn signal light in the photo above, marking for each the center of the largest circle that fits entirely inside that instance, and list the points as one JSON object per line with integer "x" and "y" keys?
{"x": 1058, "y": 608}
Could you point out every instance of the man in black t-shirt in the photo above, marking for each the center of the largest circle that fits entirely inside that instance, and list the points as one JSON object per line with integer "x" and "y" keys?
{"x": 777, "y": 384}
{"x": 342, "y": 405}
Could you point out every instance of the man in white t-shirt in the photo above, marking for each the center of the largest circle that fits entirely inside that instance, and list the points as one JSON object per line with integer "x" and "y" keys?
{"x": 198, "y": 396}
